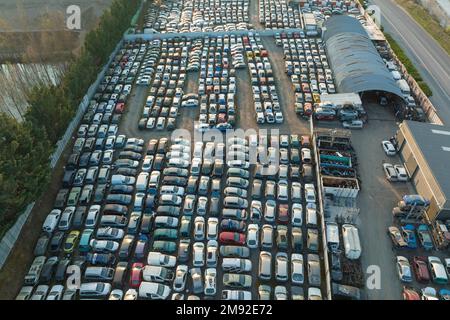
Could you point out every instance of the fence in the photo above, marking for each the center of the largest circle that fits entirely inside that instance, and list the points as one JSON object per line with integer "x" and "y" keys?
{"x": 63, "y": 142}
{"x": 10, "y": 238}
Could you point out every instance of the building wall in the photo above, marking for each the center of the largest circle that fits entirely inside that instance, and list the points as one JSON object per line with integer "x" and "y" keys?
{"x": 421, "y": 175}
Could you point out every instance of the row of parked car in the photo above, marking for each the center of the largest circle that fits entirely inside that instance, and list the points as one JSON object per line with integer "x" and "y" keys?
{"x": 167, "y": 59}
{"x": 217, "y": 60}
{"x": 266, "y": 103}
{"x": 307, "y": 65}
{"x": 278, "y": 14}
{"x": 197, "y": 16}
{"x": 90, "y": 210}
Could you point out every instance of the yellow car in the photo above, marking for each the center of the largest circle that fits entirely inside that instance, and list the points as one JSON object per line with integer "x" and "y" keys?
{"x": 316, "y": 97}
{"x": 71, "y": 241}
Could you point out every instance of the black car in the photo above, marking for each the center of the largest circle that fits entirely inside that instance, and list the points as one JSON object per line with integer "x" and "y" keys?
{"x": 61, "y": 269}
{"x": 175, "y": 181}
{"x": 126, "y": 247}
{"x": 158, "y": 162}
{"x": 61, "y": 198}
{"x": 72, "y": 163}
{"x": 168, "y": 210}
{"x": 119, "y": 199}
{"x": 41, "y": 246}
{"x": 69, "y": 176}
{"x": 232, "y": 225}
{"x": 99, "y": 194}
{"x": 127, "y": 171}
{"x": 121, "y": 188}
{"x": 147, "y": 223}
{"x": 84, "y": 159}
{"x": 102, "y": 259}
{"x": 151, "y": 202}
{"x": 78, "y": 217}
{"x": 48, "y": 269}
{"x": 56, "y": 242}
{"x": 130, "y": 155}
{"x": 152, "y": 146}
{"x": 132, "y": 147}
{"x": 142, "y": 123}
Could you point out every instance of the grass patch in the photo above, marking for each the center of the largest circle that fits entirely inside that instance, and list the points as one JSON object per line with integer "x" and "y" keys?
{"x": 412, "y": 70}
{"x": 428, "y": 22}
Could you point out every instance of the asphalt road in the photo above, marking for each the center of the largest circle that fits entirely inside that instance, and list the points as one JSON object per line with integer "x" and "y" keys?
{"x": 429, "y": 57}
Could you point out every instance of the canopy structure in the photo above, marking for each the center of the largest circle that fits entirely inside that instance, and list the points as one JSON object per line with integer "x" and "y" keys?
{"x": 355, "y": 61}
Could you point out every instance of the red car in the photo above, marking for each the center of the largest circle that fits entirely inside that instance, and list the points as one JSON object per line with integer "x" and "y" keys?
{"x": 136, "y": 274}
{"x": 235, "y": 238}
{"x": 420, "y": 269}
{"x": 120, "y": 107}
{"x": 283, "y": 214}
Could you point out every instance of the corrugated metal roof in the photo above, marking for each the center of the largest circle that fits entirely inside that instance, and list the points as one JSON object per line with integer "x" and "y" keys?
{"x": 355, "y": 61}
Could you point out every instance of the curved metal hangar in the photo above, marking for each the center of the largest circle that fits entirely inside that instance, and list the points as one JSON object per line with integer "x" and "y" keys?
{"x": 355, "y": 61}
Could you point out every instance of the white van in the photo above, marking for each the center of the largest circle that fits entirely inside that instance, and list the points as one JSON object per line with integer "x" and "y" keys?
{"x": 236, "y": 265}
{"x": 404, "y": 87}
{"x": 142, "y": 182}
{"x": 95, "y": 290}
{"x": 157, "y": 274}
{"x": 352, "y": 243}
{"x": 311, "y": 215}
{"x": 332, "y": 236}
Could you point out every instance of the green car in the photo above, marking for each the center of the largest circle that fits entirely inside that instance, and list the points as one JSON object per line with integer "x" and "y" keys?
{"x": 295, "y": 142}
{"x": 164, "y": 246}
{"x": 85, "y": 239}
{"x": 71, "y": 241}
{"x": 74, "y": 196}
{"x": 165, "y": 234}
{"x": 185, "y": 227}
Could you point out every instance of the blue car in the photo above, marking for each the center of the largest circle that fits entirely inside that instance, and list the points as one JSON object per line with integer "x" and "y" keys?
{"x": 408, "y": 233}
{"x": 444, "y": 294}
{"x": 425, "y": 237}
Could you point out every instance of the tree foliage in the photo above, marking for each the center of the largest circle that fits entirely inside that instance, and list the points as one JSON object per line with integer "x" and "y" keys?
{"x": 25, "y": 147}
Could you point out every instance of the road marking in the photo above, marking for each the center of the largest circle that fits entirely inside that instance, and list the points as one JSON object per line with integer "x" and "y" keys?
{"x": 407, "y": 43}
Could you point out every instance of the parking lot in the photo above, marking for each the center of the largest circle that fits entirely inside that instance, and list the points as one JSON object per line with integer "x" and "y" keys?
{"x": 146, "y": 215}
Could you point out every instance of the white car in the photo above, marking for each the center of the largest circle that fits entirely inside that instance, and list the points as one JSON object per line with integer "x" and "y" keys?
{"x": 297, "y": 268}
{"x": 131, "y": 294}
{"x": 388, "y": 148}
{"x": 199, "y": 228}
{"x": 92, "y": 216}
{"x": 354, "y": 124}
{"x": 401, "y": 173}
{"x": 161, "y": 259}
{"x": 296, "y": 192}
{"x": 199, "y": 254}
{"x": 51, "y": 221}
{"x": 269, "y": 211}
{"x": 210, "y": 281}
{"x": 116, "y": 294}
{"x": 389, "y": 172}
{"x": 202, "y": 204}
{"x": 213, "y": 226}
{"x": 147, "y": 164}
{"x": 297, "y": 215}
{"x": 56, "y": 292}
{"x": 179, "y": 283}
{"x": 104, "y": 245}
{"x": 236, "y": 295}
{"x": 153, "y": 290}
{"x": 403, "y": 269}
{"x": 253, "y": 236}
{"x": 212, "y": 254}
{"x": 310, "y": 193}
